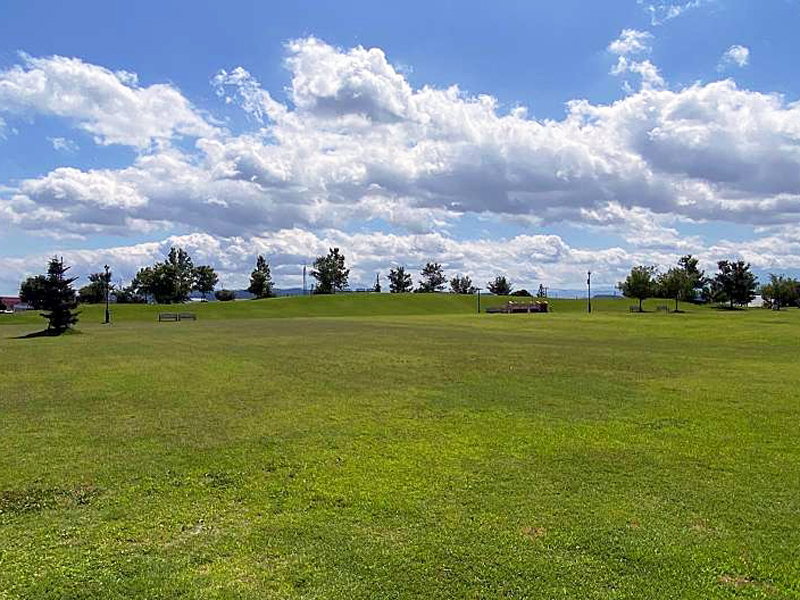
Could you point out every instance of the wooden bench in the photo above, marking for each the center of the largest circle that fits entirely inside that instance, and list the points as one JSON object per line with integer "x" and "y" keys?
{"x": 168, "y": 317}
{"x": 187, "y": 317}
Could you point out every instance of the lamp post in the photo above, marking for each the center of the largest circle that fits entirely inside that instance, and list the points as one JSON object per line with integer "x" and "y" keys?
{"x": 589, "y": 284}
{"x": 478, "y": 290}
{"x": 108, "y": 286}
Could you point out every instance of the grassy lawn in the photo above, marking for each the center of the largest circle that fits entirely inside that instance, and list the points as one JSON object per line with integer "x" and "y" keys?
{"x": 402, "y": 448}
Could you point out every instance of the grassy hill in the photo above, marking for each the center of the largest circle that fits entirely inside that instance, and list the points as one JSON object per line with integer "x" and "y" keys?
{"x": 339, "y": 305}
{"x": 384, "y": 455}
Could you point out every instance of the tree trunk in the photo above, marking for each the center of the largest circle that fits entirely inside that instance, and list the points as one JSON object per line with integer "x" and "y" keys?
{"x": 676, "y": 304}
{"x": 640, "y": 304}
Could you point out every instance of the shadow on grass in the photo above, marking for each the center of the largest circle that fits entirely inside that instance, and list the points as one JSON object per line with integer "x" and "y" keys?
{"x": 46, "y": 333}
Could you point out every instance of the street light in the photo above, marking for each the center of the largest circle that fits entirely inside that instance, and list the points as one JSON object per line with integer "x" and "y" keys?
{"x": 478, "y": 290}
{"x": 108, "y": 281}
{"x": 589, "y": 284}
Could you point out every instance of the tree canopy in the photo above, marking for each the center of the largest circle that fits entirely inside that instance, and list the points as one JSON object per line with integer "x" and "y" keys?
{"x": 95, "y": 291}
{"x": 173, "y": 280}
{"x": 400, "y": 281}
{"x": 261, "y": 279}
{"x": 330, "y": 272}
{"x": 500, "y": 286}
{"x": 781, "y": 292}
{"x": 462, "y": 285}
{"x": 735, "y": 283}
{"x": 433, "y": 279}
{"x": 639, "y": 284}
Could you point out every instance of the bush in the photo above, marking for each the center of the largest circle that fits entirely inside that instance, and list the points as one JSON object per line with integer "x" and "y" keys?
{"x": 524, "y": 293}
{"x": 225, "y": 295}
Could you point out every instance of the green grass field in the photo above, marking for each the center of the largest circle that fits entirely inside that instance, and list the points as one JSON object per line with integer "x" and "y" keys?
{"x": 401, "y": 447}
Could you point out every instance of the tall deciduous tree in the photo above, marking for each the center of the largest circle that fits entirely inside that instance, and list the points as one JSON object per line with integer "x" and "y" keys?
{"x": 676, "y": 284}
{"x": 400, "y": 281}
{"x": 433, "y": 279}
{"x": 95, "y": 291}
{"x": 500, "y": 286}
{"x": 205, "y": 279}
{"x": 781, "y": 291}
{"x": 330, "y": 272}
{"x": 736, "y": 282}
{"x": 696, "y": 278}
{"x": 462, "y": 285}
{"x": 261, "y": 279}
{"x": 639, "y": 284}
{"x": 31, "y": 291}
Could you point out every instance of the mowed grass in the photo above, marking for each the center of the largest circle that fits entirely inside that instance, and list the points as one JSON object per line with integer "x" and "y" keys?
{"x": 386, "y": 455}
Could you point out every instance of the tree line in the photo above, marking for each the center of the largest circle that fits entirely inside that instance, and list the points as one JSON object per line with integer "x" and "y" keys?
{"x": 176, "y": 277}
{"x": 734, "y": 284}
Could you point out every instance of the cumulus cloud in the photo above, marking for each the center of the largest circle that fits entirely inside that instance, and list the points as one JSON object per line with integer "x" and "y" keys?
{"x": 631, "y": 41}
{"x": 108, "y": 105}
{"x": 356, "y": 147}
{"x": 736, "y": 55}
{"x": 526, "y": 259}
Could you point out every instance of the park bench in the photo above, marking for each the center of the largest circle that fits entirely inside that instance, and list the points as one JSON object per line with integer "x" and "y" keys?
{"x": 187, "y": 316}
{"x": 662, "y": 308}
{"x": 634, "y": 308}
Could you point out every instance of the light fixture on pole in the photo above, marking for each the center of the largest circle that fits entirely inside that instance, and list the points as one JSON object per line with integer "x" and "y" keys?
{"x": 589, "y": 284}
{"x": 107, "y": 280}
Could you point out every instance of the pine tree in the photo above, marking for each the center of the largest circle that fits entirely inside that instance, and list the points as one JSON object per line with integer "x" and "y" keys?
{"x": 59, "y": 301}
{"x": 500, "y": 286}
{"x": 261, "y": 279}
{"x": 330, "y": 272}
{"x": 399, "y": 281}
{"x": 433, "y": 279}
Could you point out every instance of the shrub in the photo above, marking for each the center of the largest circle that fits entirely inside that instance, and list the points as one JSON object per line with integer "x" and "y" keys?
{"x": 225, "y": 295}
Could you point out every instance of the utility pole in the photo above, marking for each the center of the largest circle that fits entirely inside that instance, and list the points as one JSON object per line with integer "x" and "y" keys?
{"x": 108, "y": 286}
{"x": 478, "y": 290}
{"x": 589, "y": 283}
{"x": 304, "y": 279}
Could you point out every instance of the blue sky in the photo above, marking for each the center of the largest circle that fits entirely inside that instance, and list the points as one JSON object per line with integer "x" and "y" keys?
{"x": 327, "y": 135}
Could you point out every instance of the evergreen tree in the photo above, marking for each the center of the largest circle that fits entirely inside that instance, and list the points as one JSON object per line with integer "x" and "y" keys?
{"x": 261, "y": 279}
{"x": 433, "y": 279}
{"x": 399, "y": 281}
{"x": 462, "y": 285}
{"x": 330, "y": 272}
{"x": 639, "y": 284}
{"x": 500, "y": 286}
{"x": 59, "y": 301}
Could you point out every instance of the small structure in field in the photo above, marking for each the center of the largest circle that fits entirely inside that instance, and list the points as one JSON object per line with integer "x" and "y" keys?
{"x": 512, "y": 307}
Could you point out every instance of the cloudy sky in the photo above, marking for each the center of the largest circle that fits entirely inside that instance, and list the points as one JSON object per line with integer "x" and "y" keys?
{"x": 533, "y": 139}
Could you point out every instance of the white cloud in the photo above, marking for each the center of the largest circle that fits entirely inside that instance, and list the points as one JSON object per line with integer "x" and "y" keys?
{"x": 526, "y": 259}
{"x": 108, "y": 105}
{"x": 631, "y": 41}
{"x": 63, "y": 144}
{"x": 663, "y": 11}
{"x": 358, "y": 147}
{"x": 735, "y": 55}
